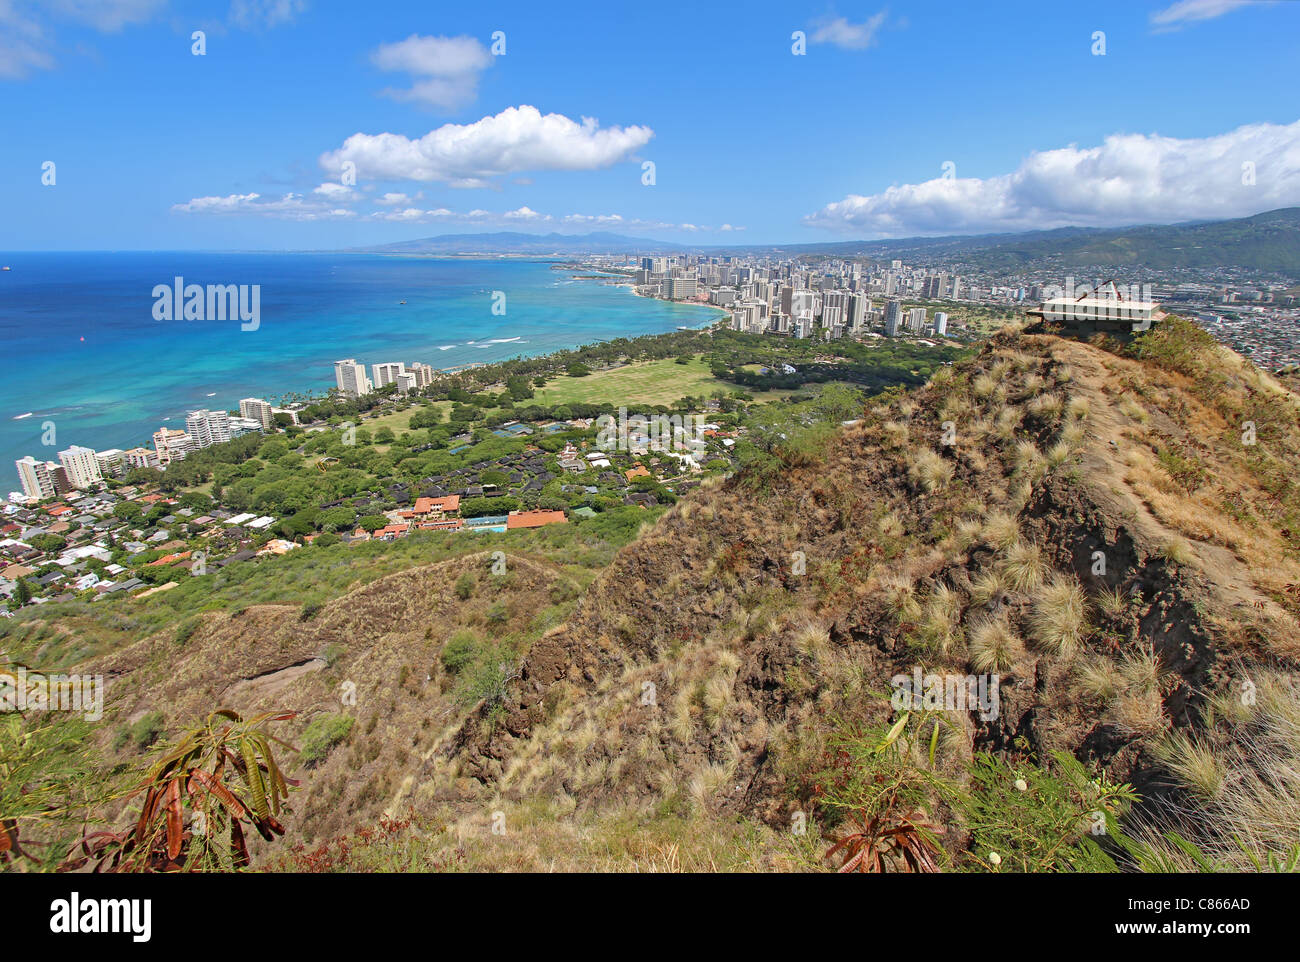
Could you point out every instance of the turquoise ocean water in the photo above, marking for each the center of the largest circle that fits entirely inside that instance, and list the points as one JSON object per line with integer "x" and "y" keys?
{"x": 83, "y": 350}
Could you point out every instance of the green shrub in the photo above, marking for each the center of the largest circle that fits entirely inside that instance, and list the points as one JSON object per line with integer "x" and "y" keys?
{"x": 146, "y": 731}
{"x": 185, "y": 630}
{"x": 461, "y": 650}
{"x": 1040, "y": 820}
{"x": 321, "y": 735}
{"x": 465, "y": 585}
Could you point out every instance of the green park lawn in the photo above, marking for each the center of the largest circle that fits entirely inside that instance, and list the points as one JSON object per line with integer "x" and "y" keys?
{"x": 644, "y": 382}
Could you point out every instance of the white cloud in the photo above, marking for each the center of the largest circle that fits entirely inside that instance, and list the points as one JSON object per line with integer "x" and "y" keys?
{"x": 289, "y": 207}
{"x": 26, "y": 42}
{"x": 446, "y": 69}
{"x": 294, "y": 206}
{"x": 413, "y": 215}
{"x": 22, "y": 43}
{"x": 337, "y": 193}
{"x": 594, "y": 219}
{"x": 108, "y": 15}
{"x": 850, "y": 36}
{"x": 469, "y": 155}
{"x": 255, "y": 14}
{"x": 1129, "y": 179}
{"x": 1190, "y": 11}
{"x": 524, "y": 213}
{"x": 621, "y": 223}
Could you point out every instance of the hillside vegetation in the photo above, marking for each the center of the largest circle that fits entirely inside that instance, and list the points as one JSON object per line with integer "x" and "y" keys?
{"x": 1113, "y": 532}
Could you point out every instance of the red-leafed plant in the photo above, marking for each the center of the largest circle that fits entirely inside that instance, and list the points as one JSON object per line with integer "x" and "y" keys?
{"x": 198, "y": 797}
{"x": 880, "y": 794}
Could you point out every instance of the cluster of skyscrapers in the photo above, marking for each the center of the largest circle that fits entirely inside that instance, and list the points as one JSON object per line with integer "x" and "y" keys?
{"x": 831, "y": 299}
{"x": 351, "y": 379}
{"x": 80, "y": 468}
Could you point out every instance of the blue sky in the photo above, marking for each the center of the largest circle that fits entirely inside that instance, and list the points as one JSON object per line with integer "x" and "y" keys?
{"x": 245, "y": 146}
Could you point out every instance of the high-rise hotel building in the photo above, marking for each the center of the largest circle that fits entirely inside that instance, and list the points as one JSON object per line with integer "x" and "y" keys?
{"x": 351, "y": 378}
{"x": 208, "y": 427}
{"x": 258, "y": 410}
{"x": 81, "y": 467}
{"x": 37, "y": 481}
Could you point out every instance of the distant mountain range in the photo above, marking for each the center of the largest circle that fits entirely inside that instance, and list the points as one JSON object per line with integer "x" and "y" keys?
{"x": 1268, "y": 242}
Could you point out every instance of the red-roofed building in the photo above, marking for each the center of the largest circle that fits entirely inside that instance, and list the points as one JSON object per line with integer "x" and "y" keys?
{"x": 433, "y": 507}
{"x": 168, "y": 559}
{"x": 391, "y": 532}
{"x": 446, "y": 524}
{"x": 534, "y": 519}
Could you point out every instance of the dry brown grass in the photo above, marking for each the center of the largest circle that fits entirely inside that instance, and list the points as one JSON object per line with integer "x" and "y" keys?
{"x": 930, "y": 470}
{"x": 1001, "y": 530}
{"x": 1023, "y": 567}
{"x": 1242, "y": 776}
{"x": 1059, "y": 619}
{"x": 995, "y": 646}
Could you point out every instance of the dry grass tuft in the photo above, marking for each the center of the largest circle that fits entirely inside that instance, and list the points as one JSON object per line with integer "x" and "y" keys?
{"x": 995, "y": 646}
{"x": 1099, "y": 679}
{"x": 987, "y": 585}
{"x": 939, "y": 630}
{"x": 930, "y": 470}
{"x": 1001, "y": 530}
{"x": 1178, "y": 551}
{"x": 1023, "y": 568}
{"x": 1059, "y": 620}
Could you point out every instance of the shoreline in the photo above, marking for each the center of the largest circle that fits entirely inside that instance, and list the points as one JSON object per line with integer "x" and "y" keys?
{"x": 309, "y": 394}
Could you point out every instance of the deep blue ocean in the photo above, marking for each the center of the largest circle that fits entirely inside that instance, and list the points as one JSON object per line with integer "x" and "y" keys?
{"x": 82, "y": 348}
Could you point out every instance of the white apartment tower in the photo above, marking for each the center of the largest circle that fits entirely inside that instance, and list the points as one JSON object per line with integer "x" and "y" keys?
{"x": 112, "y": 463}
{"x": 36, "y": 479}
{"x": 171, "y": 445}
{"x": 834, "y": 308}
{"x": 388, "y": 373}
{"x": 80, "y": 466}
{"x": 423, "y": 374}
{"x": 257, "y": 410}
{"x": 208, "y": 427}
{"x": 893, "y": 312}
{"x": 351, "y": 378}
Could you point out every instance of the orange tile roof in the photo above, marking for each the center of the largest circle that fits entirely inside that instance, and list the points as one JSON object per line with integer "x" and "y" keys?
{"x": 425, "y": 505}
{"x": 534, "y": 519}
{"x": 638, "y": 472}
{"x": 168, "y": 559}
{"x": 445, "y": 524}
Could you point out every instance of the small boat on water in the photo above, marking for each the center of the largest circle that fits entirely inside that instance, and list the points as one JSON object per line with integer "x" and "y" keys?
{"x": 5, "y": 268}
{"x": 401, "y": 302}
